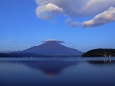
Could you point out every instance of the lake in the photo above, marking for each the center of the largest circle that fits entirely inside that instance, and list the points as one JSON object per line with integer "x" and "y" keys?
{"x": 57, "y": 71}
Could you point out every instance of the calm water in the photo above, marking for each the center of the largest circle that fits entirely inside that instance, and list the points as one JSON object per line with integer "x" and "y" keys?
{"x": 57, "y": 72}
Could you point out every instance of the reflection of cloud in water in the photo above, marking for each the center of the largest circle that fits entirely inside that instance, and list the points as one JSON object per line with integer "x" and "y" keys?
{"x": 49, "y": 68}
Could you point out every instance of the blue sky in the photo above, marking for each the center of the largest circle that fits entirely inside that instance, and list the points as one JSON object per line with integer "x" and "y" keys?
{"x": 23, "y": 24}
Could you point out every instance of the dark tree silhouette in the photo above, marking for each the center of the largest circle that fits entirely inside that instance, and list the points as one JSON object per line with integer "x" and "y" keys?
{"x": 100, "y": 53}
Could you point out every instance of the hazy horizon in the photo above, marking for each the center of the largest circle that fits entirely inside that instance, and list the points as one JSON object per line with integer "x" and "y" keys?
{"x": 82, "y": 25}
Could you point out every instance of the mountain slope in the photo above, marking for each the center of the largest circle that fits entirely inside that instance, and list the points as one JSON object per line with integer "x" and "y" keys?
{"x": 52, "y": 48}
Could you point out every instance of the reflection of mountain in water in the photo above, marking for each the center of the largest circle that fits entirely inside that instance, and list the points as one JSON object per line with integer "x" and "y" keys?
{"x": 49, "y": 67}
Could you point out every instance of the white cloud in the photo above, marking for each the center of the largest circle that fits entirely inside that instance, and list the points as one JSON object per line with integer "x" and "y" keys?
{"x": 72, "y": 24}
{"x": 95, "y": 7}
{"x": 80, "y": 8}
{"x": 48, "y": 11}
{"x": 101, "y": 19}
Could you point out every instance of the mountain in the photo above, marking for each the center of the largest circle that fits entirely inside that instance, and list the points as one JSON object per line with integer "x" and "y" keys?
{"x": 50, "y": 48}
{"x": 53, "y": 48}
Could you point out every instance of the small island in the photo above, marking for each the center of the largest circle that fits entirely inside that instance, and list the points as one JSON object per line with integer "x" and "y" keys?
{"x": 100, "y": 53}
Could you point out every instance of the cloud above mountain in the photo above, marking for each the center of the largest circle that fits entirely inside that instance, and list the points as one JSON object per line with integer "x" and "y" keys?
{"x": 48, "y": 9}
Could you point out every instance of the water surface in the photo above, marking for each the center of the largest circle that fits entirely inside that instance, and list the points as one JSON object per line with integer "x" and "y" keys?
{"x": 57, "y": 71}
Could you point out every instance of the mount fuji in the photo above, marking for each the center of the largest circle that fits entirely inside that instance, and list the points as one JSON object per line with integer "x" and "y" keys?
{"x": 52, "y": 48}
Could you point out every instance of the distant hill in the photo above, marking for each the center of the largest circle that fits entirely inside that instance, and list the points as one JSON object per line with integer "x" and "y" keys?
{"x": 100, "y": 53}
{"x": 6, "y": 51}
{"x": 48, "y": 48}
